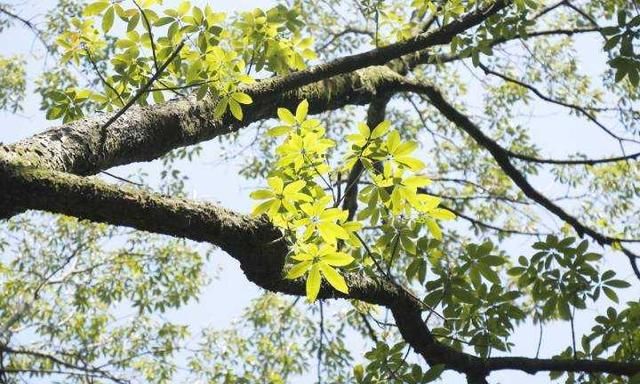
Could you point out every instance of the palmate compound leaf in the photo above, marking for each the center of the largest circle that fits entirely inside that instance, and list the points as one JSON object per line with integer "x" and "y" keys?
{"x": 323, "y": 221}
{"x": 316, "y": 263}
{"x": 398, "y": 153}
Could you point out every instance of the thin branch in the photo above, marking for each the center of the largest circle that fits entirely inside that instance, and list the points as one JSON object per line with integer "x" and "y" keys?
{"x": 147, "y": 25}
{"x": 119, "y": 178}
{"x": 36, "y": 31}
{"x": 346, "y": 31}
{"x": 102, "y": 79}
{"x": 502, "y": 158}
{"x": 574, "y": 107}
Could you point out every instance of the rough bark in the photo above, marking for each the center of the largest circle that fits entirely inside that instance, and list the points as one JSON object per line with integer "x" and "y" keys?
{"x": 260, "y": 250}
{"x": 146, "y": 133}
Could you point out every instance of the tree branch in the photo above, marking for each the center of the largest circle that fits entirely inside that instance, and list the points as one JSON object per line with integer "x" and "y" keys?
{"x": 143, "y": 134}
{"x": 261, "y": 251}
{"x": 581, "y": 110}
{"x": 501, "y": 156}
{"x": 146, "y": 133}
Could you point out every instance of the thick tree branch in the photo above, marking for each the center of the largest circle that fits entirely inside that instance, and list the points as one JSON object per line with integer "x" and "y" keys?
{"x": 260, "y": 249}
{"x": 146, "y": 133}
{"x": 143, "y": 134}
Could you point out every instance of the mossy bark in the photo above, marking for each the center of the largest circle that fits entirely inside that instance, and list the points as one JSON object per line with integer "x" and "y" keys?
{"x": 146, "y": 133}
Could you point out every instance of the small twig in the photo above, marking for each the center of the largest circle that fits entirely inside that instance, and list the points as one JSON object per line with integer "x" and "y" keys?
{"x": 104, "y": 81}
{"x": 148, "y": 26}
{"x": 320, "y": 346}
{"x": 539, "y": 340}
{"x": 141, "y": 91}
{"x": 122, "y": 179}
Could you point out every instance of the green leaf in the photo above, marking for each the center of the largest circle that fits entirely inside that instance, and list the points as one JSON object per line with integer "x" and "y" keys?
{"x": 464, "y": 295}
{"x": 241, "y": 98}
{"x": 220, "y": 108}
{"x": 107, "y": 20}
{"x": 313, "y": 283}
{"x": 236, "y": 109}
{"x": 334, "y": 278}
{"x": 163, "y": 21}
{"x": 493, "y": 261}
{"x": 610, "y": 293}
{"x": 55, "y": 112}
{"x": 95, "y": 8}
{"x": 617, "y": 283}
{"x": 286, "y": 116}
{"x": 564, "y": 310}
{"x": 158, "y": 97}
{"x": 433, "y": 373}
{"x": 133, "y": 22}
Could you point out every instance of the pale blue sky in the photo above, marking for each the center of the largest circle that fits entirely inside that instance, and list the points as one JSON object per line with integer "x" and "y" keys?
{"x": 556, "y": 133}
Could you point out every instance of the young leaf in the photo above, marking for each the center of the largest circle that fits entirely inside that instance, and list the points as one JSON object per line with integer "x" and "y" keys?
{"x": 313, "y": 283}
{"x": 334, "y": 278}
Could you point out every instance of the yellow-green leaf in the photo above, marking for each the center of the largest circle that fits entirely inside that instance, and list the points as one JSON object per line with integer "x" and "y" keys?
{"x": 434, "y": 228}
{"x": 380, "y": 129}
{"x": 330, "y": 231}
{"x": 261, "y": 194}
{"x": 279, "y": 131}
{"x": 276, "y": 184}
{"x": 313, "y": 283}
{"x": 242, "y": 98}
{"x": 235, "y": 109}
{"x": 334, "y": 278}
{"x": 337, "y": 259}
{"x": 302, "y": 110}
{"x": 294, "y": 187}
{"x": 442, "y": 214}
{"x": 411, "y": 163}
{"x": 286, "y": 116}
{"x": 107, "y": 20}
{"x": 298, "y": 270}
{"x": 95, "y": 8}
{"x": 220, "y": 108}
{"x": 264, "y": 207}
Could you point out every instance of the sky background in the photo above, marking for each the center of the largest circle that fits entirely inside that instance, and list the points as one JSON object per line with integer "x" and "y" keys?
{"x": 558, "y": 134}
